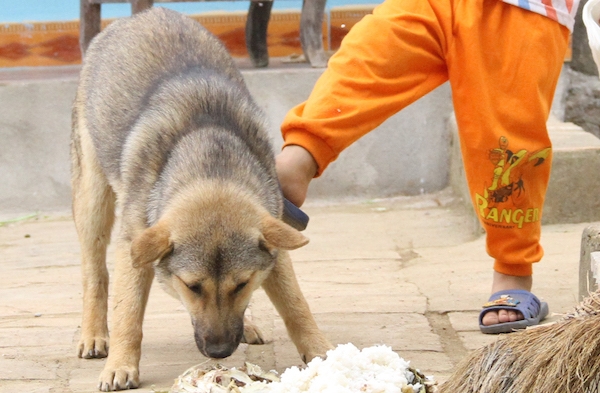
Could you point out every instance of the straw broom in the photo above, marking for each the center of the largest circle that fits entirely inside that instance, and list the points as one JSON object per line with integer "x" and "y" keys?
{"x": 559, "y": 357}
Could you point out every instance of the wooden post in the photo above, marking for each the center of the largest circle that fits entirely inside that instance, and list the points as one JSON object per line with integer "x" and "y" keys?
{"x": 590, "y": 243}
{"x": 141, "y": 5}
{"x": 259, "y": 13}
{"x": 89, "y": 23}
{"x": 311, "y": 32}
{"x": 257, "y": 24}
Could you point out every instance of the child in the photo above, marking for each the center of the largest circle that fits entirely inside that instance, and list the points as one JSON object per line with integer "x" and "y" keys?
{"x": 503, "y": 60}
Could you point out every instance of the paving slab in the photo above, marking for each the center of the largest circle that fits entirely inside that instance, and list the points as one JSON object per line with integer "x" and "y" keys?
{"x": 407, "y": 272}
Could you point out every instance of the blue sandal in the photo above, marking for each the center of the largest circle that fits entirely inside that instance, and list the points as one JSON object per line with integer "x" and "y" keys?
{"x": 533, "y": 310}
{"x": 293, "y": 216}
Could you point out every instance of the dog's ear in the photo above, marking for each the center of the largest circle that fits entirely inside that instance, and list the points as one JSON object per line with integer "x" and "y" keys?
{"x": 280, "y": 235}
{"x": 154, "y": 243}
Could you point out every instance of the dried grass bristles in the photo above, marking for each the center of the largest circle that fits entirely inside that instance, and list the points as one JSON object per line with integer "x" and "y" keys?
{"x": 559, "y": 357}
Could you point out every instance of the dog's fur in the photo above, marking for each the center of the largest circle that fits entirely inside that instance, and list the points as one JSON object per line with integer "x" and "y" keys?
{"x": 164, "y": 124}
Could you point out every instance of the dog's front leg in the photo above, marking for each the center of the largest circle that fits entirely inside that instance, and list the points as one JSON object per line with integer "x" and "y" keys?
{"x": 131, "y": 289}
{"x": 94, "y": 214}
{"x": 282, "y": 288}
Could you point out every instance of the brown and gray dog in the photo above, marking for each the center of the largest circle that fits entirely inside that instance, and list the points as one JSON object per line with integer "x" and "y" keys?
{"x": 164, "y": 125}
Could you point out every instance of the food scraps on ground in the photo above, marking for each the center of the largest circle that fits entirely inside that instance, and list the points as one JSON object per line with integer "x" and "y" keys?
{"x": 346, "y": 369}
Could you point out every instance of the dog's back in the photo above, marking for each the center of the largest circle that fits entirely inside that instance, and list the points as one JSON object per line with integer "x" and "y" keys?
{"x": 158, "y": 87}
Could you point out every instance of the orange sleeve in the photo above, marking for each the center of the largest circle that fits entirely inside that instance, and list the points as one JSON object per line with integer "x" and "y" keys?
{"x": 385, "y": 63}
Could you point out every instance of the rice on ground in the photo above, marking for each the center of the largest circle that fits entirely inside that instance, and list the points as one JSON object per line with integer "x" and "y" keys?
{"x": 346, "y": 369}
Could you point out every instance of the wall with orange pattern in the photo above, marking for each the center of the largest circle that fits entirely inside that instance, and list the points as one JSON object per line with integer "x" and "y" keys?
{"x": 57, "y": 43}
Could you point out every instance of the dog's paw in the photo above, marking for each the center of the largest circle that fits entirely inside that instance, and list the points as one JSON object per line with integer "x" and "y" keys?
{"x": 118, "y": 378}
{"x": 315, "y": 348}
{"x": 93, "y": 347}
{"x": 252, "y": 334}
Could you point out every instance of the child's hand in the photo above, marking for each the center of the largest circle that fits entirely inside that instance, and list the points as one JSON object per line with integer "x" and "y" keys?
{"x": 295, "y": 167}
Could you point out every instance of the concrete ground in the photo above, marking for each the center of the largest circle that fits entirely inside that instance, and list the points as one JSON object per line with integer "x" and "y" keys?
{"x": 405, "y": 272}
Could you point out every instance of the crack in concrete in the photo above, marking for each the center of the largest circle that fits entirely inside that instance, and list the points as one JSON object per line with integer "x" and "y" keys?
{"x": 407, "y": 255}
{"x": 440, "y": 325}
{"x": 449, "y": 339}
{"x": 451, "y": 342}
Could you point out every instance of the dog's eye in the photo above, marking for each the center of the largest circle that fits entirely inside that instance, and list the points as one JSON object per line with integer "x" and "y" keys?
{"x": 196, "y": 288}
{"x": 241, "y": 286}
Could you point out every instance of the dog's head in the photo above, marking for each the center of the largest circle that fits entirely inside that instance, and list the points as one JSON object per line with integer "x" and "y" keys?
{"x": 213, "y": 253}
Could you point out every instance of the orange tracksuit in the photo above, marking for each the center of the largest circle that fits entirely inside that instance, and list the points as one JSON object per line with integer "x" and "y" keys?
{"x": 503, "y": 64}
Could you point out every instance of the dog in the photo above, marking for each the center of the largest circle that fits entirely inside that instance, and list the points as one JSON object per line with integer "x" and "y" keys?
{"x": 166, "y": 134}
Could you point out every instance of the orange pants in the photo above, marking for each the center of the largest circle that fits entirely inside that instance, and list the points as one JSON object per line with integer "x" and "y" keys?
{"x": 503, "y": 64}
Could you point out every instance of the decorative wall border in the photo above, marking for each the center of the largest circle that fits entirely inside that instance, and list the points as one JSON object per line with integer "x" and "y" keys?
{"x": 56, "y": 42}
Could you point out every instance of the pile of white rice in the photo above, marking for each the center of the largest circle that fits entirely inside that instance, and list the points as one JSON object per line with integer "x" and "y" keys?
{"x": 346, "y": 369}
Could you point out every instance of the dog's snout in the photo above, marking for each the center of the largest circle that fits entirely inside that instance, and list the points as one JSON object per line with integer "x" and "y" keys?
{"x": 220, "y": 351}
{"x": 216, "y": 347}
